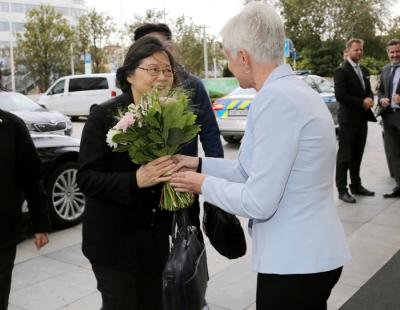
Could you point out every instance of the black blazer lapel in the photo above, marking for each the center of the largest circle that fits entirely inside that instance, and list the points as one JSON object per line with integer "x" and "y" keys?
{"x": 354, "y": 75}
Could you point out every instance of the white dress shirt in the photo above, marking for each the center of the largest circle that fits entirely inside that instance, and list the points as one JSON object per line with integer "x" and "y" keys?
{"x": 283, "y": 179}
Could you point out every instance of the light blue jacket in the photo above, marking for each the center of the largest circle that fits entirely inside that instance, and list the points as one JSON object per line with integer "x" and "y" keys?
{"x": 283, "y": 179}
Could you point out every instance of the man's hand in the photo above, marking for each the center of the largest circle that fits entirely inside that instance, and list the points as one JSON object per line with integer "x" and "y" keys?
{"x": 154, "y": 172}
{"x": 396, "y": 99}
{"x": 41, "y": 239}
{"x": 188, "y": 181}
{"x": 385, "y": 102}
{"x": 368, "y": 103}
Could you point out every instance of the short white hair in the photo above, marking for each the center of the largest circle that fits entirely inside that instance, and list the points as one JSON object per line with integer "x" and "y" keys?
{"x": 259, "y": 30}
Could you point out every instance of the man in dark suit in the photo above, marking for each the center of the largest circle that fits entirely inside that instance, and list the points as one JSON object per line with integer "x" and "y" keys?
{"x": 353, "y": 91}
{"x": 21, "y": 172}
{"x": 389, "y": 102}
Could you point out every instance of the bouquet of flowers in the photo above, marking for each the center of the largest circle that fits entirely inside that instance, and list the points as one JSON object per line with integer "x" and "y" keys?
{"x": 155, "y": 127}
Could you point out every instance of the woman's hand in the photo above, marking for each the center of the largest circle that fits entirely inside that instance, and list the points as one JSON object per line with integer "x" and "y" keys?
{"x": 154, "y": 172}
{"x": 41, "y": 239}
{"x": 188, "y": 181}
{"x": 185, "y": 163}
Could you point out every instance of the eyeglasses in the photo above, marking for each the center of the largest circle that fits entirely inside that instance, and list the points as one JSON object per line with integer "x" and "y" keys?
{"x": 156, "y": 71}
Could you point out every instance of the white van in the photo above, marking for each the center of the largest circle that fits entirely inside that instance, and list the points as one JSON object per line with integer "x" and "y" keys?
{"x": 76, "y": 95}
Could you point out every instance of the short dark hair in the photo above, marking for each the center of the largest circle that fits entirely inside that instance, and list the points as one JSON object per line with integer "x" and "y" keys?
{"x": 392, "y": 42}
{"x": 147, "y": 28}
{"x": 141, "y": 49}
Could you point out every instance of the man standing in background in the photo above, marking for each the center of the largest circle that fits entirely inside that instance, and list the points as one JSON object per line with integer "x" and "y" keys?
{"x": 353, "y": 91}
{"x": 389, "y": 100}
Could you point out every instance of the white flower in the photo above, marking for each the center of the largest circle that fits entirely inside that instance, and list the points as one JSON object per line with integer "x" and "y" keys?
{"x": 110, "y": 135}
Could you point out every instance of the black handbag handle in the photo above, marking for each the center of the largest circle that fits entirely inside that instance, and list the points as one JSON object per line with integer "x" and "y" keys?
{"x": 180, "y": 222}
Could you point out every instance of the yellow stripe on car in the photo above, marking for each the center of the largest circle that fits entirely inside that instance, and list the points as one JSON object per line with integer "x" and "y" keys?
{"x": 232, "y": 104}
{"x": 244, "y": 105}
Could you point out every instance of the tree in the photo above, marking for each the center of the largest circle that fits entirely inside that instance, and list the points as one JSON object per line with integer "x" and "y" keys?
{"x": 94, "y": 29}
{"x": 43, "y": 45}
{"x": 188, "y": 39}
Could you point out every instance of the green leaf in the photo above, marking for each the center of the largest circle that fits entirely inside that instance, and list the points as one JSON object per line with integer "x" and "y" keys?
{"x": 175, "y": 136}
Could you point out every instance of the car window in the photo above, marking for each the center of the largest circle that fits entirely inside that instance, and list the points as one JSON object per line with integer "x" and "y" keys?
{"x": 58, "y": 88}
{"x": 16, "y": 102}
{"x": 82, "y": 84}
{"x": 324, "y": 85}
{"x": 243, "y": 92}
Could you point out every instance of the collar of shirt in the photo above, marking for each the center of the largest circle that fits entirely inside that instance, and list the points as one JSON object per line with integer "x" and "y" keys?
{"x": 354, "y": 64}
{"x": 279, "y": 72}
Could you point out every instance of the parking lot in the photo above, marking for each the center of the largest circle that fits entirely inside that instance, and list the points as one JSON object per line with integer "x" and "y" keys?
{"x": 59, "y": 276}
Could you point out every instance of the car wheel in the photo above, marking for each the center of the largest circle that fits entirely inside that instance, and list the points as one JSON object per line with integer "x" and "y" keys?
{"x": 232, "y": 139}
{"x": 66, "y": 201}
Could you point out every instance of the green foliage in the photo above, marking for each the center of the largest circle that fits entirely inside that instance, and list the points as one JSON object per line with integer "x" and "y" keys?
{"x": 374, "y": 65}
{"x": 93, "y": 31}
{"x": 44, "y": 46}
{"x": 188, "y": 40}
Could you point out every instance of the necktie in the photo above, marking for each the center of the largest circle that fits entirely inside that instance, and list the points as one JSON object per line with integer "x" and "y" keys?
{"x": 360, "y": 76}
{"x": 394, "y": 68}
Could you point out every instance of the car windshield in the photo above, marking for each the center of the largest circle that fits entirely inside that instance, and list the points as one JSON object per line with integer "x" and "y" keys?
{"x": 324, "y": 85}
{"x": 243, "y": 92}
{"x": 17, "y": 102}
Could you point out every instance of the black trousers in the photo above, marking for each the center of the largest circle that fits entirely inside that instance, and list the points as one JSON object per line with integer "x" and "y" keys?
{"x": 352, "y": 139}
{"x": 297, "y": 291}
{"x": 135, "y": 283}
{"x": 391, "y": 126}
{"x": 7, "y": 257}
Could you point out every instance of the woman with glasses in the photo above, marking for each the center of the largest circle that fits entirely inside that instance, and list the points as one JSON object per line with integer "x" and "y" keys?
{"x": 125, "y": 233}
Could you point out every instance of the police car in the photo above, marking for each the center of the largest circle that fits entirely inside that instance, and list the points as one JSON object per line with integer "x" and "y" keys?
{"x": 231, "y": 111}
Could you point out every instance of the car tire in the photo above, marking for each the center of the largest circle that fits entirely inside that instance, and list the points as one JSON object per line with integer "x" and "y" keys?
{"x": 66, "y": 201}
{"x": 232, "y": 139}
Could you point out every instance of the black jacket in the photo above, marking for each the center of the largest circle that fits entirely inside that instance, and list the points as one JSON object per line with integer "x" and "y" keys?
{"x": 116, "y": 209}
{"x": 21, "y": 173}
{"x": 200, "y": 103}
{"x": 350, "y": 94}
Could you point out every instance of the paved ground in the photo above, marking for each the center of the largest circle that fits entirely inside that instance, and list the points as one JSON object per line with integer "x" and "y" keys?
{"x": 59, "y": 276}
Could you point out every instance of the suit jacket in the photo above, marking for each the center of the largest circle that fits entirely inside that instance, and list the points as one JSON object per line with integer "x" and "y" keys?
{"x": 21, "y": 173}
{"x": 116, "y": 209}
{"x": 350, "y": 94}
{"x": 383, "y": 89}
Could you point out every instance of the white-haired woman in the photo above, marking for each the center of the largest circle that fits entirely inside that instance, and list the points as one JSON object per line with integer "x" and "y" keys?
{"x": 283, "y": 177}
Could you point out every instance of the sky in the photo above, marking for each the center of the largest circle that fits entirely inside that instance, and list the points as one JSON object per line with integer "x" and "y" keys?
{"x": 211, "y": 13}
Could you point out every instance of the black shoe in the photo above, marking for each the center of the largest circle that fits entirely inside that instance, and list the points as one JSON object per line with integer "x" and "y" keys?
{"x": 395, "y": 193}
{"x": 361, "y": 190}
{"x": 346, "y": 197}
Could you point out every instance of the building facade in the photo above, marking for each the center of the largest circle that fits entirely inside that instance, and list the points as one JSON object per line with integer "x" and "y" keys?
{"x": 13, "y": 17}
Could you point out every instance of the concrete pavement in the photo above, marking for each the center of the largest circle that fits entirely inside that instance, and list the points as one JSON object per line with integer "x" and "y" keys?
{"x": 60, "y": 277}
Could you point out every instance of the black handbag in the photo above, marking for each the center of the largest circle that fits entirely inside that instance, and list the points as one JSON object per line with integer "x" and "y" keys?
{"x": 185, "y": 274}
{"x": 224, "y": 231}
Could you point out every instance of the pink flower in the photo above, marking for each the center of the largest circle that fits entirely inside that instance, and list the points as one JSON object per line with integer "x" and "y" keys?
{"x": 126, "y": 121}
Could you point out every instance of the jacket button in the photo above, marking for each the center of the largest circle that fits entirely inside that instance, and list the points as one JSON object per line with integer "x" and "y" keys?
{"x": 153, "y": 191}
{"x": 154, "y": 210}
{"x": 152, "y": 224}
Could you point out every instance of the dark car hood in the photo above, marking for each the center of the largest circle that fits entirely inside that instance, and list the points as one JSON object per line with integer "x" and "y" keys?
{"x": 42, "y": 141}
{"x": 40, "y": 116}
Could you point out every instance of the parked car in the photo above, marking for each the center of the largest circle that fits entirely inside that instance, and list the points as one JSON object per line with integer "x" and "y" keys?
{"x": 36, "y": 117}
{"x": 231, "y": 111}
{"x": 59, "y": 155}
{"x": 76, "y": 95}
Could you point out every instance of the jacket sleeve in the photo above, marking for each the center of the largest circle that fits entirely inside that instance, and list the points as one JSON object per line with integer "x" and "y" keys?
{"x": 30, "y": 175}
{"x": 209, "y": 135}
{"x": 341, "y": 90}
{"x": 95, "y": 178}
{"x": 381, "y": 86}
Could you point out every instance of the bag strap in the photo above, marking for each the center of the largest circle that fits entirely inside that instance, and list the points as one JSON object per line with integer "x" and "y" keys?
{"x": 180, "y": 222}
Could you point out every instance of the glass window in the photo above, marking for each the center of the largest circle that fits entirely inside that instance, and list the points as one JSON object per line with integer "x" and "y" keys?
{"x": 82, "y": 84}
{"x": 18, "y": 27}
{"x": 18, "y": 7}
{"x": 62, "y": 10}
{"x": 4, "y": 7}
{"x": 58, "y": 88}
{"x": 15, "y": 102}
{"x": 4, "y": 26}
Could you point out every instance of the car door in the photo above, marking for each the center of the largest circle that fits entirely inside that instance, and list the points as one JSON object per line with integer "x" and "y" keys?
{"x": 86, "y": 92}
{"x": 54, "y": 99}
